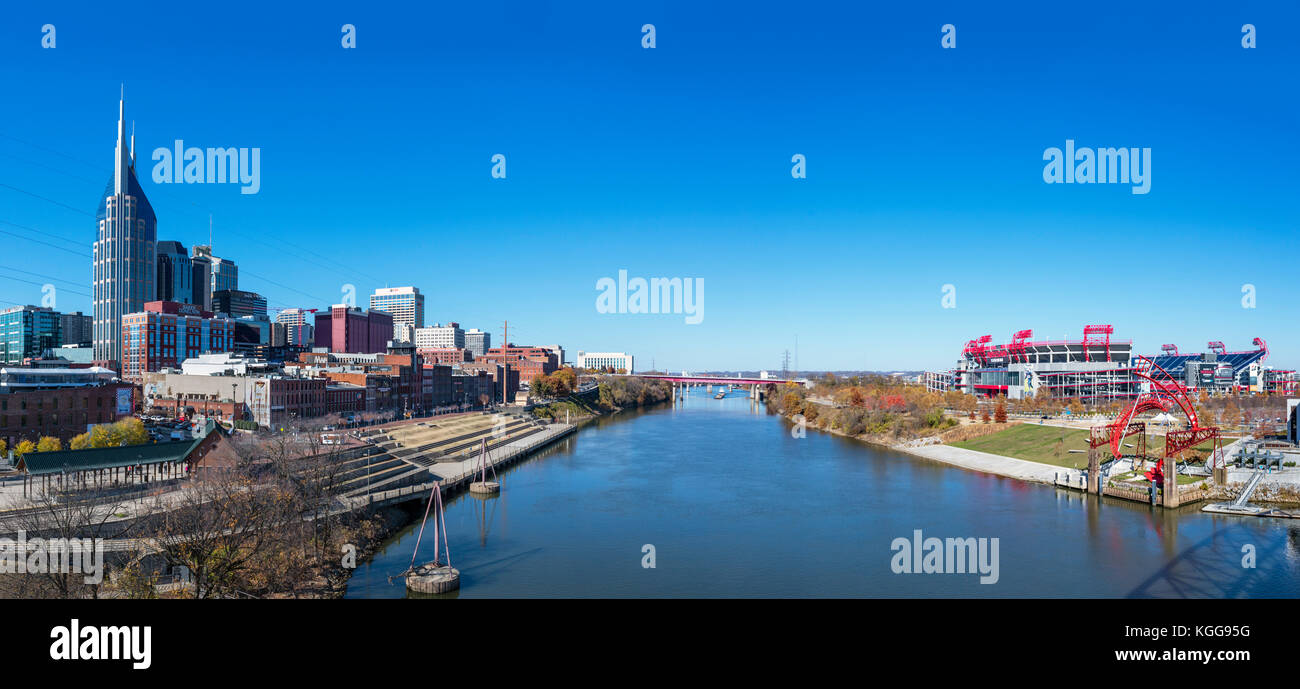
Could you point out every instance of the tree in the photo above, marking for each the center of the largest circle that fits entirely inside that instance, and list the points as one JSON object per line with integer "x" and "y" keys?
{"x": 4, "y": 448}
{"x": 79, "y": 442}
{"x": 49, "y": 444}
{"x": 24, "y": 447}
{"x": 1000, "y": 413}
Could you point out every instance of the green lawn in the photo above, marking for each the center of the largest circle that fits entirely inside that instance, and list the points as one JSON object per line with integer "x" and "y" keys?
{"x": 1039, "y": 444}
{"x": 1035, "y": 443}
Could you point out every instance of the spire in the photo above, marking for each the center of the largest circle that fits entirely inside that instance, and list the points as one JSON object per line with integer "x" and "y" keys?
{"x": 121, "y": 163}
{"x": 132, "y": 144}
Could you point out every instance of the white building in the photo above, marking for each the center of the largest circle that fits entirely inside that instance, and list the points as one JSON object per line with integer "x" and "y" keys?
{"x": 599, "y": 360}
{"x": 438, "y": 336}
{"x": 407, "y": 306}
{"x": 478, "y": 342}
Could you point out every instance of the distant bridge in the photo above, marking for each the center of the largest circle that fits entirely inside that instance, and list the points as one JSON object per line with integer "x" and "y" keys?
{"x": 716, "y": 380}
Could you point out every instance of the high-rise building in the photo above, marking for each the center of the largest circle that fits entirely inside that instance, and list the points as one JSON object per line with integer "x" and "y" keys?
{"x": 222, "y": 272}
{"x": 78, "y": 329}
{"x": 175, "y": 275}
{"x": 438, "y": 336}
{"x": 26, "y": 331}
{"x": 348, "y": 329}
{"x": 201, "y": 268}
{"x": 237, "y": 303}
{"x": 297, "y": 330}
{"x": 478, "y": 342}
{"x": 407, "y": 306}
{"x": 124, "y": 260}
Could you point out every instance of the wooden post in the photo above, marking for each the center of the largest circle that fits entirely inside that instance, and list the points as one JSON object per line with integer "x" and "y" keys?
{"x": 1171, "y": 482}
{"x": 1094, "y": 471}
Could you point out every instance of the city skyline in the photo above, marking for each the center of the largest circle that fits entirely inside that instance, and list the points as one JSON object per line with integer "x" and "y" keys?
{"x": 659, "y": 177}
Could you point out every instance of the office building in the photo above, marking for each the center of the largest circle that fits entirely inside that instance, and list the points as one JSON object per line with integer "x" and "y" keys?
{"x": 166, "y": 333}
{"x": 26, "y": 331}
{"x": 477, "y": 341}
{"x": 175, "y": 273}
{"x": 78, "y": 329}
{"x": 298, "y": 331}
{"x": 124, "y": 263}
{"x": 406, "y": 304}
{"x": 438, "y": 336}
{"x": 615, "y": 362}
{"x": 237, "y": 303}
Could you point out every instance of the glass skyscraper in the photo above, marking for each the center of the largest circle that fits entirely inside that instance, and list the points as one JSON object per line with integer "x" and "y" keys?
{"x": 125, "y": 261}
{"x": 175, "y": 274}
{"x": 407, "y": 306}
{"x": 26, "y": 331}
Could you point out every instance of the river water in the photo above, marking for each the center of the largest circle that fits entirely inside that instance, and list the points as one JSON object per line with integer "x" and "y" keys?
{"x": 733, "y": 505}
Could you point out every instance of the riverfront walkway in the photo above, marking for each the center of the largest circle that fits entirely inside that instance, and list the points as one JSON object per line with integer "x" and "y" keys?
{"x": 992, "y": 464}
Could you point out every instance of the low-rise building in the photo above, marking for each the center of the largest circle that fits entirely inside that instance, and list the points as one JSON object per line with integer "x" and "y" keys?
{"x": 605, "y": 361}
{"x": 59, "y": 402}
{"x": 167, "y": 333}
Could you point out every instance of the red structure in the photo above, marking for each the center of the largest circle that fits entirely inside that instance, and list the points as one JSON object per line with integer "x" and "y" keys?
{"x": 1165, "y": 393}
{"x": 1217, "y": 347}
{"x": 1089, "y": 339}
{"x": 1169, "y": 349}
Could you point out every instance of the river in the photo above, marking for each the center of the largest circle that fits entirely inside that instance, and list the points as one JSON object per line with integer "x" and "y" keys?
{"x": 733, "y": 505}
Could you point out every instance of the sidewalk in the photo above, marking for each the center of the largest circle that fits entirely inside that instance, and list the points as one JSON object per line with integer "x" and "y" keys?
{"x": 990, "y": 463}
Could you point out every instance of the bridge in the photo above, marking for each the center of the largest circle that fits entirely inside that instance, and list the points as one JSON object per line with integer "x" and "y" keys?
{"x": 716, "y": 380}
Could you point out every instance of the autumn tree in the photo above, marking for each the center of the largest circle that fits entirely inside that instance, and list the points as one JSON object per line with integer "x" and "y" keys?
{"x": 49, "y": 444}
{"x": 1000, "y": 413}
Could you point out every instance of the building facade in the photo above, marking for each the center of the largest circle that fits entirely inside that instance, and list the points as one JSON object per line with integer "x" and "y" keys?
{"x": 124, "y": 261}
{"x": 478, "y": 341}
{"x": 27, "y": 331}
{"x": 613, "y": 361}
{"x": 298, "y": 330}
{"x": 348, "y": 329}
{"x": 167, "y": 333}
{"x": 78, "y": 329}
{"x": 439, "y": 336}
{"x": 406, "y": 304}
{"x": 175, "y": 273}
{"x": 238, "y": 303}
{"x": 59, "y": 402}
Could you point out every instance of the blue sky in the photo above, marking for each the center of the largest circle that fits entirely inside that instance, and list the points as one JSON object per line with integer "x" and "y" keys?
{"x": 924, "y": 166}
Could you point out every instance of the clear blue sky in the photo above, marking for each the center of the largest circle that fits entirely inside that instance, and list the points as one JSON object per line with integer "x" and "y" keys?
{"x": 924, "y": 165}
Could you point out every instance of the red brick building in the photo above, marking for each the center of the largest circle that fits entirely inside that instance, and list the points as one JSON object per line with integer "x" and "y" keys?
{"x": 530, "y": 362}
{"x": 348, "y": 329}
{"x": 59, "y": 403}
{"x": 453, "y": 356}
{"x": 167, "y": 333}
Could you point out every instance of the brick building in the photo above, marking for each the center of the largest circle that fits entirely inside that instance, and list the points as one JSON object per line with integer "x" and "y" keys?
{"x": 348, "y": 329}
{"x": 167, "y": 333}
{"x": 59, "y": 402}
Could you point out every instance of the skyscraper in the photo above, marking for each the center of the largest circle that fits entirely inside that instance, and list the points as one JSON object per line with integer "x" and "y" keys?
{"x": 478, "y": 342}
{"x": 175, "y": 273}
{"x": 298, "y": 331}
{"x": 406, "y": 304}
{"x": 124, "y": 260}
{"x": 222, "y": 272}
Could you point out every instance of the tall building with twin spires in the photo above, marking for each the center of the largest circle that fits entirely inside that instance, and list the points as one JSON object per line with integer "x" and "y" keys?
{"x": 125, "y": 261}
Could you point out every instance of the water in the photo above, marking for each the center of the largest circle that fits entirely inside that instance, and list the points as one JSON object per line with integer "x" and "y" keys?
{"x": 734, "y": 506}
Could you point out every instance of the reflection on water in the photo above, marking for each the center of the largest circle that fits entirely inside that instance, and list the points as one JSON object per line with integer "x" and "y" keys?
{"x": 735, "y": 506}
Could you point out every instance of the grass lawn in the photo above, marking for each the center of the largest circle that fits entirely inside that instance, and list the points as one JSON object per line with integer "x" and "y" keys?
{"x": 1036, "y": 443}
{"x": 1039, "y": 444}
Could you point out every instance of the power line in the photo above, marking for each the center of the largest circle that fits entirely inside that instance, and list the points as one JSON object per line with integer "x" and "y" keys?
{"x": 37, "y": 241}
{"x": 42, "y": 275}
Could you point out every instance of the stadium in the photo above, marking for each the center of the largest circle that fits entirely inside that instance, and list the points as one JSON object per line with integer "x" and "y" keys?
{"x": 1099, "y": 368}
